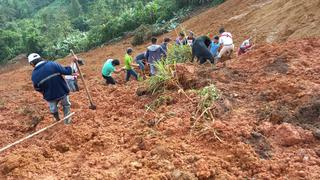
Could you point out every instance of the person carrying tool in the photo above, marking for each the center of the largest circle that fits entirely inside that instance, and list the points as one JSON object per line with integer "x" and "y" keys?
{"x": 226, "y": 42}
{"x": 214, "y": 46}
{"x": 200, "y": 49}
{"x": 47, "y": 78}
{"x": 141, "y": 61}
{"x": 108, "y": 68}
{"x": 154, "y": 53}
{"x": 72, "y": 80}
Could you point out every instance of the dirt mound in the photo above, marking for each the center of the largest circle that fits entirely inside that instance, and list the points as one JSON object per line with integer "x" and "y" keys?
{"x": 186, "y": 76}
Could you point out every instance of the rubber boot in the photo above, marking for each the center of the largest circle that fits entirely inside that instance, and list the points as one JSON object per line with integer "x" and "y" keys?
{"x": 56, "y": 116}
{"x": 66, "y": 112}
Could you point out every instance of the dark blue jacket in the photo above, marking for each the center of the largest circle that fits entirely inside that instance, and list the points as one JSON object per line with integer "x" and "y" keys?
{"x": 47, "y": 79}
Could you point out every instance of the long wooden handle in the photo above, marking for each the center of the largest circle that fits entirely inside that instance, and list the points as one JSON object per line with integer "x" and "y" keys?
{"x": 82, "y": 79}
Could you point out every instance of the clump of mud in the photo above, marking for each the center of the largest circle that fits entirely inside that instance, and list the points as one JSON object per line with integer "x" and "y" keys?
{"x": 279, "y": 65}
{"x": 185, "y": 77}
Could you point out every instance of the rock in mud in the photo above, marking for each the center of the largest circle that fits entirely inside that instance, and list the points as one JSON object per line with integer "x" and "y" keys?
{"x": 162, "y": 151}
{"x": 287, "y": 135}
{"x": 203, "y": 170}
{"x": 136, "y": 164}
{"x": 182, "y": 175}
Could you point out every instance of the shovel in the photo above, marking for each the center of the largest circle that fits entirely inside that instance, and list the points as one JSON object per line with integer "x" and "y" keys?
{"x": 92, "y": 105}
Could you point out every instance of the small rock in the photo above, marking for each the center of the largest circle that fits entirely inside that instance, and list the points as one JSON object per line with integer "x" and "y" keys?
{"x": 256, "y": 135}
{"x": 192, "y": 159}
{"x": 136, "y": 165}
{"x": 134, "y": 149}
{"x": 287, "y": 135}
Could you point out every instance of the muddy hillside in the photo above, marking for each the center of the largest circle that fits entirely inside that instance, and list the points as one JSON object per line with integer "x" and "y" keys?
{"x": 265, "y": 124}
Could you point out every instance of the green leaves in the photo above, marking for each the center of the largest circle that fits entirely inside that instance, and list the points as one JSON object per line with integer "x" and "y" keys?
{"x": 180, "y": 54}
{"x": 165, "y": 73}
{"x": 208, "y": 95}
{"x": 51, "y": 27}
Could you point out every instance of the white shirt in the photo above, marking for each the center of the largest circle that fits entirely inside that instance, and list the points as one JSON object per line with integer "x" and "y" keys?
{"x": 74, "y": 69}
{"x": 226, "y": 39}
{"x": 245, "y": 43}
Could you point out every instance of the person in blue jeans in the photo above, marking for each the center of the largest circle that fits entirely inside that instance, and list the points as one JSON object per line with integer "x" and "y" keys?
{"x": 154, "y": 53}
{"x": 47, "y": 78}
{"x": 128, "y": 59}
{"x": 141, "y": 60}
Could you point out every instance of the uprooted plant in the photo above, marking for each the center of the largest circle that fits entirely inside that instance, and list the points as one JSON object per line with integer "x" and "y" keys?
{"x": 167, "y": 77}
{"x": 207, "y": 97}
{"x": 164, "y": 77}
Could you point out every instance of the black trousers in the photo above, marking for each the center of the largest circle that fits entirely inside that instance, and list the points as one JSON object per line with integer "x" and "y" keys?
{"x": 109, "y": 79}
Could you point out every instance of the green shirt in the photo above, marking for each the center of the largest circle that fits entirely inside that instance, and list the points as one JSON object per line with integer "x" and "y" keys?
{"x": 108, "y": 68}
{"x": 127, "y": 61}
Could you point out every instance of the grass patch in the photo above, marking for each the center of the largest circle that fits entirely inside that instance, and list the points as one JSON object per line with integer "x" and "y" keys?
{"x": 166, "y": 68}
{"x": 163, "y": 78}
{"x": 208, "y": 95}
{"x": 179, "y": 54}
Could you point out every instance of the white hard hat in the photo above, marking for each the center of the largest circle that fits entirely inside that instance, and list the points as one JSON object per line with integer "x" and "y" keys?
{"x": 33, "y": 57}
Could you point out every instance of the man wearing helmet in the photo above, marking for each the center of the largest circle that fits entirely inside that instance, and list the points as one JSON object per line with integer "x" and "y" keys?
{"x": 48, "y": 80}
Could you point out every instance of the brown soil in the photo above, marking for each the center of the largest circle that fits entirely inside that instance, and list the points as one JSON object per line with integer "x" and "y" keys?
{"x": 271, "y": 93}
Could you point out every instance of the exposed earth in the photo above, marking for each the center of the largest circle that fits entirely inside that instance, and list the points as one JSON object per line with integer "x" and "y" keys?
{"x": 266, "y": 125}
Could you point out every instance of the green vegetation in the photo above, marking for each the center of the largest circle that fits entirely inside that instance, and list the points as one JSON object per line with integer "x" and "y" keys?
{"x": 164, "y": 77}
{"x": 180, "y": 54}
{"x": 52, "y": 27}
{"x": 208, "y": 95}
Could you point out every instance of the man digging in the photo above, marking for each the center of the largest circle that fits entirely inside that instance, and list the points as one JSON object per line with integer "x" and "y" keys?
{"x": 47, "y": 78}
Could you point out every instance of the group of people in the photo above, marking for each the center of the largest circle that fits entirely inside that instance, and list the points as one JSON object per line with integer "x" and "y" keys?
{"x": 55, "y": 82}
{"x": 203, "y": 48}
{"x": 148, "y": 58}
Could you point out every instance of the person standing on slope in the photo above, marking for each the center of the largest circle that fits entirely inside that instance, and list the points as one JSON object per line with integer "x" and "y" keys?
{"x": 72, "y": 80}
{"x": 47, "y": 78}
{"x": 128, "y": 62}
{"x": 154, "y": 54}
{"x": 165, "y": 43}
{"x": 226, "y": 42}
{"x": 190, "y": 38}
{"x": 181, "y": 40}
